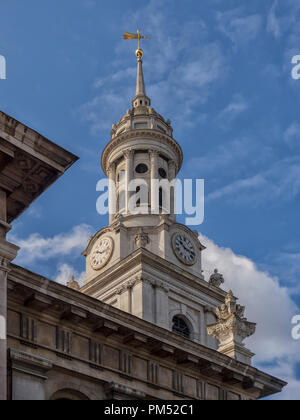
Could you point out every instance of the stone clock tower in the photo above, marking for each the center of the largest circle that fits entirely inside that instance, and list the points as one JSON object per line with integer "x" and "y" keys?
{"x": 148, "y": 264}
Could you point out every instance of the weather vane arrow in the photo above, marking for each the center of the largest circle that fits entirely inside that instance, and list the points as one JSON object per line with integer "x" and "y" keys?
{"x": 138, "y": 36}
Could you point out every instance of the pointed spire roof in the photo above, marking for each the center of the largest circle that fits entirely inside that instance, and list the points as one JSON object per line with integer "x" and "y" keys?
{"x": 140, "y": 83}
{"x": 140, "y": 99}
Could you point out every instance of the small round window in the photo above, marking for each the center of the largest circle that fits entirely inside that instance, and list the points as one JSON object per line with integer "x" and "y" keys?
{"x": 141, "y": 168}
{"x": 162, "y": 173}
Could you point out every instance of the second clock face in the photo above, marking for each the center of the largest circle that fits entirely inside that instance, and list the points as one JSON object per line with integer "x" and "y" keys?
{"x": 102, "y": 253}
{"x": 184, "y": 249}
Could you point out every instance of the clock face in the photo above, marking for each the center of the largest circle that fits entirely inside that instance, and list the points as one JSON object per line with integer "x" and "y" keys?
{"x": 184, "y": 249}
{"x": 102, "y": 253}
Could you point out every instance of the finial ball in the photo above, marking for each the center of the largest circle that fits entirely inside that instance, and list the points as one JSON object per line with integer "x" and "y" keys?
{"x": 139, "y": 53}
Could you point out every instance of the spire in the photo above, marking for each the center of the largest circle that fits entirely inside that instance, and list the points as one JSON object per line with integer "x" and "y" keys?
{"x": 140, "y": 84}
{"x": 141, "y": 99}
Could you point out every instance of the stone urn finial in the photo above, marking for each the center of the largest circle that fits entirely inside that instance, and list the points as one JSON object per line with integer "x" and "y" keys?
{"x": 231, "y": 329}
{"x": 216, "y": 279}
{"x": 73, "y": 284}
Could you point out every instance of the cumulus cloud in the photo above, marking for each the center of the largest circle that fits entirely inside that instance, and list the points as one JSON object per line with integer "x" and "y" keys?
{"x": 36, "y": 247}
{"x": 268, "y": 304}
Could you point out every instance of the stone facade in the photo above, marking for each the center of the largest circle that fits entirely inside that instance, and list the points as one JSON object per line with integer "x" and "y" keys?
{"x": 64, "y": 344}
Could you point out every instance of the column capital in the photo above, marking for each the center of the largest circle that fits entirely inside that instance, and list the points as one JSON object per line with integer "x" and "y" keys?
{"x": 153, "y": 153}
{"x": 111, "y": 169}
{"x": 8, "y": 253}
{"x": 172, "y": 164}
{"x": 128, "y": 153}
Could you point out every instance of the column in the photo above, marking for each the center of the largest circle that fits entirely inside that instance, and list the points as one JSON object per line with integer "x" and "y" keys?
{"x": 112, "y": 192}
{"x": 7, "y": 253}
{"x": 128, "y": 155}
{"x": 154, "y": 192}
{"x": 172, "y": 177}
{"x": 143, "y": 299}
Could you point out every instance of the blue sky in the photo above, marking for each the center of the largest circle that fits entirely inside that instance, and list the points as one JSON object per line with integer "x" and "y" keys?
{"x": 221, "y": 71}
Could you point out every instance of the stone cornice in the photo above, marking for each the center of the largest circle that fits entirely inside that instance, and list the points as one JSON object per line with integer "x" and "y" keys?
{"x": 144, "y": 256}
{"x": 30, "y": 364}
{"x": 146, "y": 133}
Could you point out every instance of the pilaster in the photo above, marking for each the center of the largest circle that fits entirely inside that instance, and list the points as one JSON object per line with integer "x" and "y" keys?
{"x": 112, "y": 192}
{"x": 8, "y": 252}
{"x": 172, "y": 177}
{"x": 128, "y": 154}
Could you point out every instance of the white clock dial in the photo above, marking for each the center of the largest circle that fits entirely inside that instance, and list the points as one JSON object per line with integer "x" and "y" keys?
{"x": 184, "y": 249}
{"x": 101, "y": 253}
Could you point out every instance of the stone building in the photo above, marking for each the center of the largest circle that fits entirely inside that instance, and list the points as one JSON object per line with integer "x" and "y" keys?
{"x": 146, "y": 324}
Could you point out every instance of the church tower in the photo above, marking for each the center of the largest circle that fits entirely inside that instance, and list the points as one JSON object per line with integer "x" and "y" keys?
{"x": 144, "y": 262}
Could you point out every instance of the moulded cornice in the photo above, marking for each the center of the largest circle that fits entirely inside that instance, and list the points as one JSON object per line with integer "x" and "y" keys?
{"x": 146, "y": 133}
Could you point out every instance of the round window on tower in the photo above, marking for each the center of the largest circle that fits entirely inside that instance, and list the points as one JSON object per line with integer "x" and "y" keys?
{"x": 162, "y": 173}
{"x": 141, "y": 168}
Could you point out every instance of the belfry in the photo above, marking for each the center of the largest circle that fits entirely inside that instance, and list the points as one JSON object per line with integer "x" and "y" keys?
{"x": 146, "y": 324}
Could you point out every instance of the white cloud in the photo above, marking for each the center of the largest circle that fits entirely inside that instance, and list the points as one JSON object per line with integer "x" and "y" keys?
{"x": 226, "y": 154}
{"x": 268, "y": 304}
{"x": 35, "y": 247}
{"x": 241, "y": 185}
{"x": 237, "y": 106}
{"x": 273, "y": 24}
{"x": 239, "y": 28}
{"x": 279, "y": 183}
{"x": 292, "y": 136}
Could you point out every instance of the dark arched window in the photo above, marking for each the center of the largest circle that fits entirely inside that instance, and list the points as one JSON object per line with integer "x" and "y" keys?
{"x": 160, "y": 197}
{"x": 180, "y": 327}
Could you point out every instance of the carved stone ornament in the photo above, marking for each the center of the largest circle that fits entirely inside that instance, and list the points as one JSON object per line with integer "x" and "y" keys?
{"x": 231, "y": 329}
{"x": 216, "y": 279}
{"x": 126, "y": 286}
{"x": 142, "y": 240}
{"x": 73, "y": 284}
{"x": 4, "y": 263}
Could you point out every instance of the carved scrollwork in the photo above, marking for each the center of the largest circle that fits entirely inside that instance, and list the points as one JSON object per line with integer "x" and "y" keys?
{"x": 231, "y": 325}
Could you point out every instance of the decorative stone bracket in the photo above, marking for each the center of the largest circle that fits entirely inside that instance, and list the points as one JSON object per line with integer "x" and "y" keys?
{"x": 232, "y": 329}
{"x": 122, "y": 392}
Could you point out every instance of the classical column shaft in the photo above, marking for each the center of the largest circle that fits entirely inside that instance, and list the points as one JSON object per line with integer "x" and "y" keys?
{"x": 112, "y": 192}
{"x": 172, "y": 177}
{"x": 162, "y": 305}
{"x": 143, "y": 300}
{"x": 128, "y": 176}
{"x": 154, "y": 179}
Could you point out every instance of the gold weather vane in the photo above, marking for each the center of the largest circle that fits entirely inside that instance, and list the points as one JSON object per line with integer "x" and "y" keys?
{"x": 138, "y": 36}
